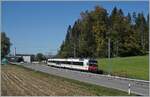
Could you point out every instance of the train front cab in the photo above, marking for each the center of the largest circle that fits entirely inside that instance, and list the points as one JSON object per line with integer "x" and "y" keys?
{"x": 92, "y": 66}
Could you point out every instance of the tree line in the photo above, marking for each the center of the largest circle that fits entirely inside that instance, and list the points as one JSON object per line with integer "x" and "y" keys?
{"x": 88, "y": 37}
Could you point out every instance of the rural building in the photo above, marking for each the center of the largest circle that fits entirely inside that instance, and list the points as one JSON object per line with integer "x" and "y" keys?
{"x": 26, "y": 57}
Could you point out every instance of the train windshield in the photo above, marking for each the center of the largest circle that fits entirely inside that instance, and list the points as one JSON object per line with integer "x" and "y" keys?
{"x": 92, "y": 63}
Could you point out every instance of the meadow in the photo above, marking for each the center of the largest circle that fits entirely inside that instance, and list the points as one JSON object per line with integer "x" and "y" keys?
{"x": 136, "y": 67}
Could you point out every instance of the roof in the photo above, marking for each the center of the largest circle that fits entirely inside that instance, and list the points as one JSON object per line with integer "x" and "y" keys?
{"x": 13, "y": 56}
{"x": 24, "y": 55}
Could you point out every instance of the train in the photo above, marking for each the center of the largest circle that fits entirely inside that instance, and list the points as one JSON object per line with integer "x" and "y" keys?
{"x": 78, "y": 64}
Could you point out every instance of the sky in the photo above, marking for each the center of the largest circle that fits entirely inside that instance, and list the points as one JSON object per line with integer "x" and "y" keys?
{"x": 41, "y": 26}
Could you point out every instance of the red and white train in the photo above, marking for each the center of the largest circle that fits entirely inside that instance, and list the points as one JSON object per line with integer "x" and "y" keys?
{"x": 79, "y": 64}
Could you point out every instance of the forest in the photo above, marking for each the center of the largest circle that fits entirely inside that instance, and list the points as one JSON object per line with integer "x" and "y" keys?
{"x": 89, "y": 37}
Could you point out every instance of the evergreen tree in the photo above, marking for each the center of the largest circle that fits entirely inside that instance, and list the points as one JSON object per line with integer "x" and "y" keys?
{"x": 129, "y": 18}
{"x": 86, "y": 47}
{"x": 147, "y": 35}
{"x": 134, "y": 18}
{"x": 141, "y": 31}
{"x": 66, "y": 47}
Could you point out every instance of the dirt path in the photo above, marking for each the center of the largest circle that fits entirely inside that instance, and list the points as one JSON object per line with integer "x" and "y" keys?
{"x": 18, "y": 81}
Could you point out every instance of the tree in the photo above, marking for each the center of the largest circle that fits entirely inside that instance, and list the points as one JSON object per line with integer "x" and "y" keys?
{"x": 40, "y": 57}
{"x": 66, "y": 49}
{"x": 115, "y": 30}
{"x": 134, "y": 18}
{"x": 89, "y": 35}
{"x": 86, "y": 44}
{"x": 100, "y": 29}
{"x": 129, "y": 18}
{"x": 33, "y": 58}
{"x": 147, "y": 35}
{"x": 5, "y": 45}
{"x": 142, "y": 32}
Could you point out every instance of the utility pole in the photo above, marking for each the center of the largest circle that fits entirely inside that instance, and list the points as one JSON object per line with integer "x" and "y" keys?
{"x": 109, "y": 56}
{"x": 74, "y": 51}
{"x": 15, "y": 51}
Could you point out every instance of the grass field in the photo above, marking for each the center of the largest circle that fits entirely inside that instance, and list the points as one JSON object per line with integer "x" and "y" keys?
{"x": 133, "y": 67}
{"x": 19, "y": 81}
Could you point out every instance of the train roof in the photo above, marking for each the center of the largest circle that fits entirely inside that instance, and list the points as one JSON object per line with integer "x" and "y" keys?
{"x": 70, "y": 59}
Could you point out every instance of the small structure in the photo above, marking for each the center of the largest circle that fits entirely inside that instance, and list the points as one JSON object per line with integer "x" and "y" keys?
{"x": 26, "y": 57}
{"x": 4, "y": 61}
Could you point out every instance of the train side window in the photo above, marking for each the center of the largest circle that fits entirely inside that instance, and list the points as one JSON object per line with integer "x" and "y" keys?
{"x": 68, "y": 62}
{"x": 57, "y": 62}
{"x": 63, "y": 62}
{"x": 50, "y": 61}
{"x": 78, "y": 63}
{"x": 92, "y": 63}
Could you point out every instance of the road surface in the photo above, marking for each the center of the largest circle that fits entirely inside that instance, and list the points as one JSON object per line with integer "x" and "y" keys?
{"x": 136, "y": 86}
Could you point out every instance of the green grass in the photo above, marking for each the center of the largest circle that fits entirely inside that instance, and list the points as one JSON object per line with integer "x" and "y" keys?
{"x": 91, "y": 88}
{"x": 133, "y": 67}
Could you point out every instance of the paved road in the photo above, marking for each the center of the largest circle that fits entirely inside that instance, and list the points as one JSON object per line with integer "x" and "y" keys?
{"x": 137, "y": 87}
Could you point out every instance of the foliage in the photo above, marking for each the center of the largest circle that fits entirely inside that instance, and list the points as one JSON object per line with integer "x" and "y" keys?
{"x": 40, "y": 57}
{"x": 5, "y": 44}
{"x": 89, "y": 35}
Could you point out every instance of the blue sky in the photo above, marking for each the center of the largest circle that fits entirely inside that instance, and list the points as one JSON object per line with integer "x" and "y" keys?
{"x": 41, "y": 26}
